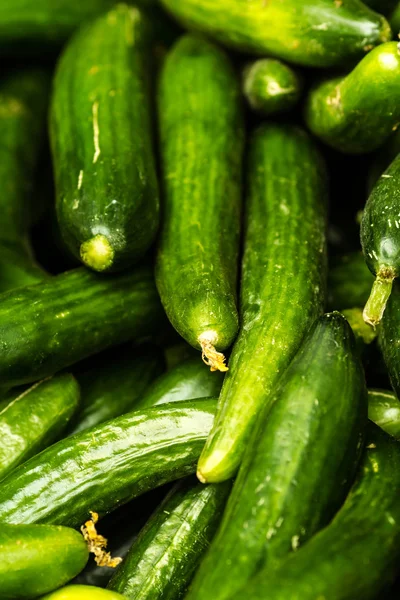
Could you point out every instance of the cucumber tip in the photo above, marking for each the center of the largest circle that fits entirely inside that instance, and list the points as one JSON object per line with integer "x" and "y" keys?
{"x": 97, "y": 253}
{"x": 211, "y": 357}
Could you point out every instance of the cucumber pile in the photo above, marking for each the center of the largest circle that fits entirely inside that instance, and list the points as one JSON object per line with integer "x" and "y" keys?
{"x": 200, "y": 300}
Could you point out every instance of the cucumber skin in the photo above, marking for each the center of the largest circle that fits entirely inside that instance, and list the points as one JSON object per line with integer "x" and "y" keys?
{"x": 70, "y": 317}
{"x": 35, "y": 418}
{"x": 166, "y": 553}
{"x": 276, "y": 29}
{"x": 201, "y": 138}
{"x": 384, "y": 411}
{"x": 105, "y": 466}
{"x": 299, "y": 463}
{"x": 349, "y": 282}
{"x": 284, "y": 267}
{"x": 100, "y": 130}
{"x": 35, "y": 559}
{"x": 389, "y": 338}
{"x": 77, "y": 592}
{"x": 349, "y": 113}
{"x": 357, "y": 554}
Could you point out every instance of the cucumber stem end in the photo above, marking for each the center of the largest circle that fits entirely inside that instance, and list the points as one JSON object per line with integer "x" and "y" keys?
{"x": 211, "y": 357}
{"x": 97, "y": 253}
{"x": 97, "y": 543}
{"x": 381, "y": 289}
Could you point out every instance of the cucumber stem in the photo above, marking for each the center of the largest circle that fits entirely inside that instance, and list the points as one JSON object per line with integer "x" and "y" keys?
{"x": 97, "y": 253}
{"x": 381, "y": 289}
{"x": 211, "y": 357}
{"x": 97, "y": 543}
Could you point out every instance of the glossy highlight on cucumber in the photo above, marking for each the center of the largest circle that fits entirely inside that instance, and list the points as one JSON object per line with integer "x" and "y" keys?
{"x": 384, "y": 411}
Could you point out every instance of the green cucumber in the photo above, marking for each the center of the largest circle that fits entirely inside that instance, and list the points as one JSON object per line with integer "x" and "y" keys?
{"x": 299, "y": 463}
{"x": 349, "y": 282}
{"x": 165, "y": 555}
{"x": 31, "y": 420}
{"x": 114, "y": 382}
{"x": 380, "y": 239}
{"x": 384, "y": 410}
{"x": 83, "y": 592}
{"x": 358, "y": 553}
{"x": 70, "y": 317}
{"x": 389, "y": 338}
{"x": 270, "y": 86}
{"x": 314, "y": 33}
{"x": 106, "y": 187}
{"x": 107, "y": 465}
{"x": 358, "y": 112}
{"x": 283, "y": 284}
{"x": 35, "y": 559}
{"x": 201, "y": 133}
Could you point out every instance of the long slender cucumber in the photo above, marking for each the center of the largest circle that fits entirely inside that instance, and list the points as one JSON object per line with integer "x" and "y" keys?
{"x": 384, "y": 410}
{"x": 201, "y": 134}
{"x": 283, "y": 284}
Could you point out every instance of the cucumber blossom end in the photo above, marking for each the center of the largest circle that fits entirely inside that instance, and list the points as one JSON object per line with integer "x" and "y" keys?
{"x": 211, "y": 357}
{"x": 97, "y": 253}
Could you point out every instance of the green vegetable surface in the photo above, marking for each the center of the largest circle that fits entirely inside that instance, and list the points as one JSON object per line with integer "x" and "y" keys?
{"x": 384, "y": 410}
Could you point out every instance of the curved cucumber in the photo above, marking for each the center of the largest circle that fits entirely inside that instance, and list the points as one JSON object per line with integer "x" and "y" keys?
{"x": 201, "y": 152}
{"x": 107, "y": 465}
{"x": 35, "y": 559}
{"x": 31, "y": 420}
{"x": 358, "y": 112}
{"x": 380, "y": 239}
{"x": 83, "y": 592}
{"x": 270, "y": 86}
{"x": 357, "y": 554}
{"x": 299, "y": 463}
{"x": 283, "y": 284}
{"x": 384, "y": 410}
{"x": 106, "y": 186}
{"x": 70, "y": 317}
{"x": 349, "y": 282}
{"x": 162, "y": 560}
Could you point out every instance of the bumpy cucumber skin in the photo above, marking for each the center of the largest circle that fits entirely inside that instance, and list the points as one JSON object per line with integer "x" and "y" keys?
{"x": 17, "y": 267}
{"x": 201, "y": 133}
{"x": 389, "y": 338}
{"x": 100, "y": 128}
{"x": 283, "y": 284}
{"x": 51, "y": 325}
{"x": 357, "y": 554}
{"x": 299, "y": 463}
{"x": 107, "y": 465}
{"x": 270, "y": 86}
{"x": 78, "y": 592}
{"x": 357, "y": 113}
{"x": 384, "y": 410}
{"x": 113, "y": 384}
{"x": 161, "y": 562}
{"x": 314, "y": 33}
{"x": 35, "y": 559}
{"x": 34, "y": 418}
{"x": 349, "y": 282}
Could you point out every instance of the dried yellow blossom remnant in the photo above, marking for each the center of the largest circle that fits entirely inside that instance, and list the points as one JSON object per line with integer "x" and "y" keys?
{"x": 213, "y": 359}
{"x": 97, "y": 543}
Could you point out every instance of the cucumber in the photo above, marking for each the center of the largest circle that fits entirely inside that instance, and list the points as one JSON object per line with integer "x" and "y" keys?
{"x": 107, "y": 465}
{"x": 70, "y": 317}
{"x": 380, "y": 239}
{"x": 349, "y": 282}
{"x": 35, "y": 559}
{"x": 314, "y": 33}
{"x": 384, "y": 410}
{"x": 358, "y": 112}
{"x": 31, "y": 420}
{"x": 270, "y": 86}
{"x": 100, "y": 128}
{"x": 389, "y": 338}
{"x": 283, "y": 284}
{"x": 17, "y": 267}
{"x": 357, "y": 554}
{"x": 164, "y": 557}
{"x": 82, "y": 592}
{"x": 201, "y": 137}
{"x": 298, "y": 465}
{"x": 114, "y": 381}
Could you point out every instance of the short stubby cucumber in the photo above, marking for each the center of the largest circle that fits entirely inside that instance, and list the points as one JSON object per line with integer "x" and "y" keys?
{"x": 384, "y": 410}
{"x": 349, "y": 282}
{"x": 380, "y": 239}
{"x": 314, "y": 33}
{"x": 83, "y": 592}
{"x": 270, "y": 86}
{"x": 162, "y": 560}
{"x": 299, "y": 463}
{"x": 105, "y": 466}
{"x": 358, "y": 112}
{"x": 201, "y": 137}
{"x": 389, "y": 338}
{"x": 283, "y": 284}
{"x": 100, "y": 125}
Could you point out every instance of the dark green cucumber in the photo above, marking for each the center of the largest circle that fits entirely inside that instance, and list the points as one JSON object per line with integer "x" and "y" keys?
{"x": 358, "y": 112}
{"x": 107, "y": 465}
{"x": 384, "y": 410}
{"x": 380, "y": 239}
{"x": 35, "y": 559}
{"x": 358, "y": 553}
{"x": 17, "y": 267}
{"x": 106, "y": 186}
{"x": 185, "y": 381}
{"x": 164, "y": 557}
{"x": 31, "y": 420}
{"x": 283, "y": 284}
{"x": 299, "y": 463}
{"x": 314, "y": 33}
{"x": 82, "y": 592}
{"x": 349, "y": 282}
{"x": 270, "y": 86}
{"x": 114, "y": 382}
{"x": 51, "y": 325}
{"x": 389, "y": 338}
